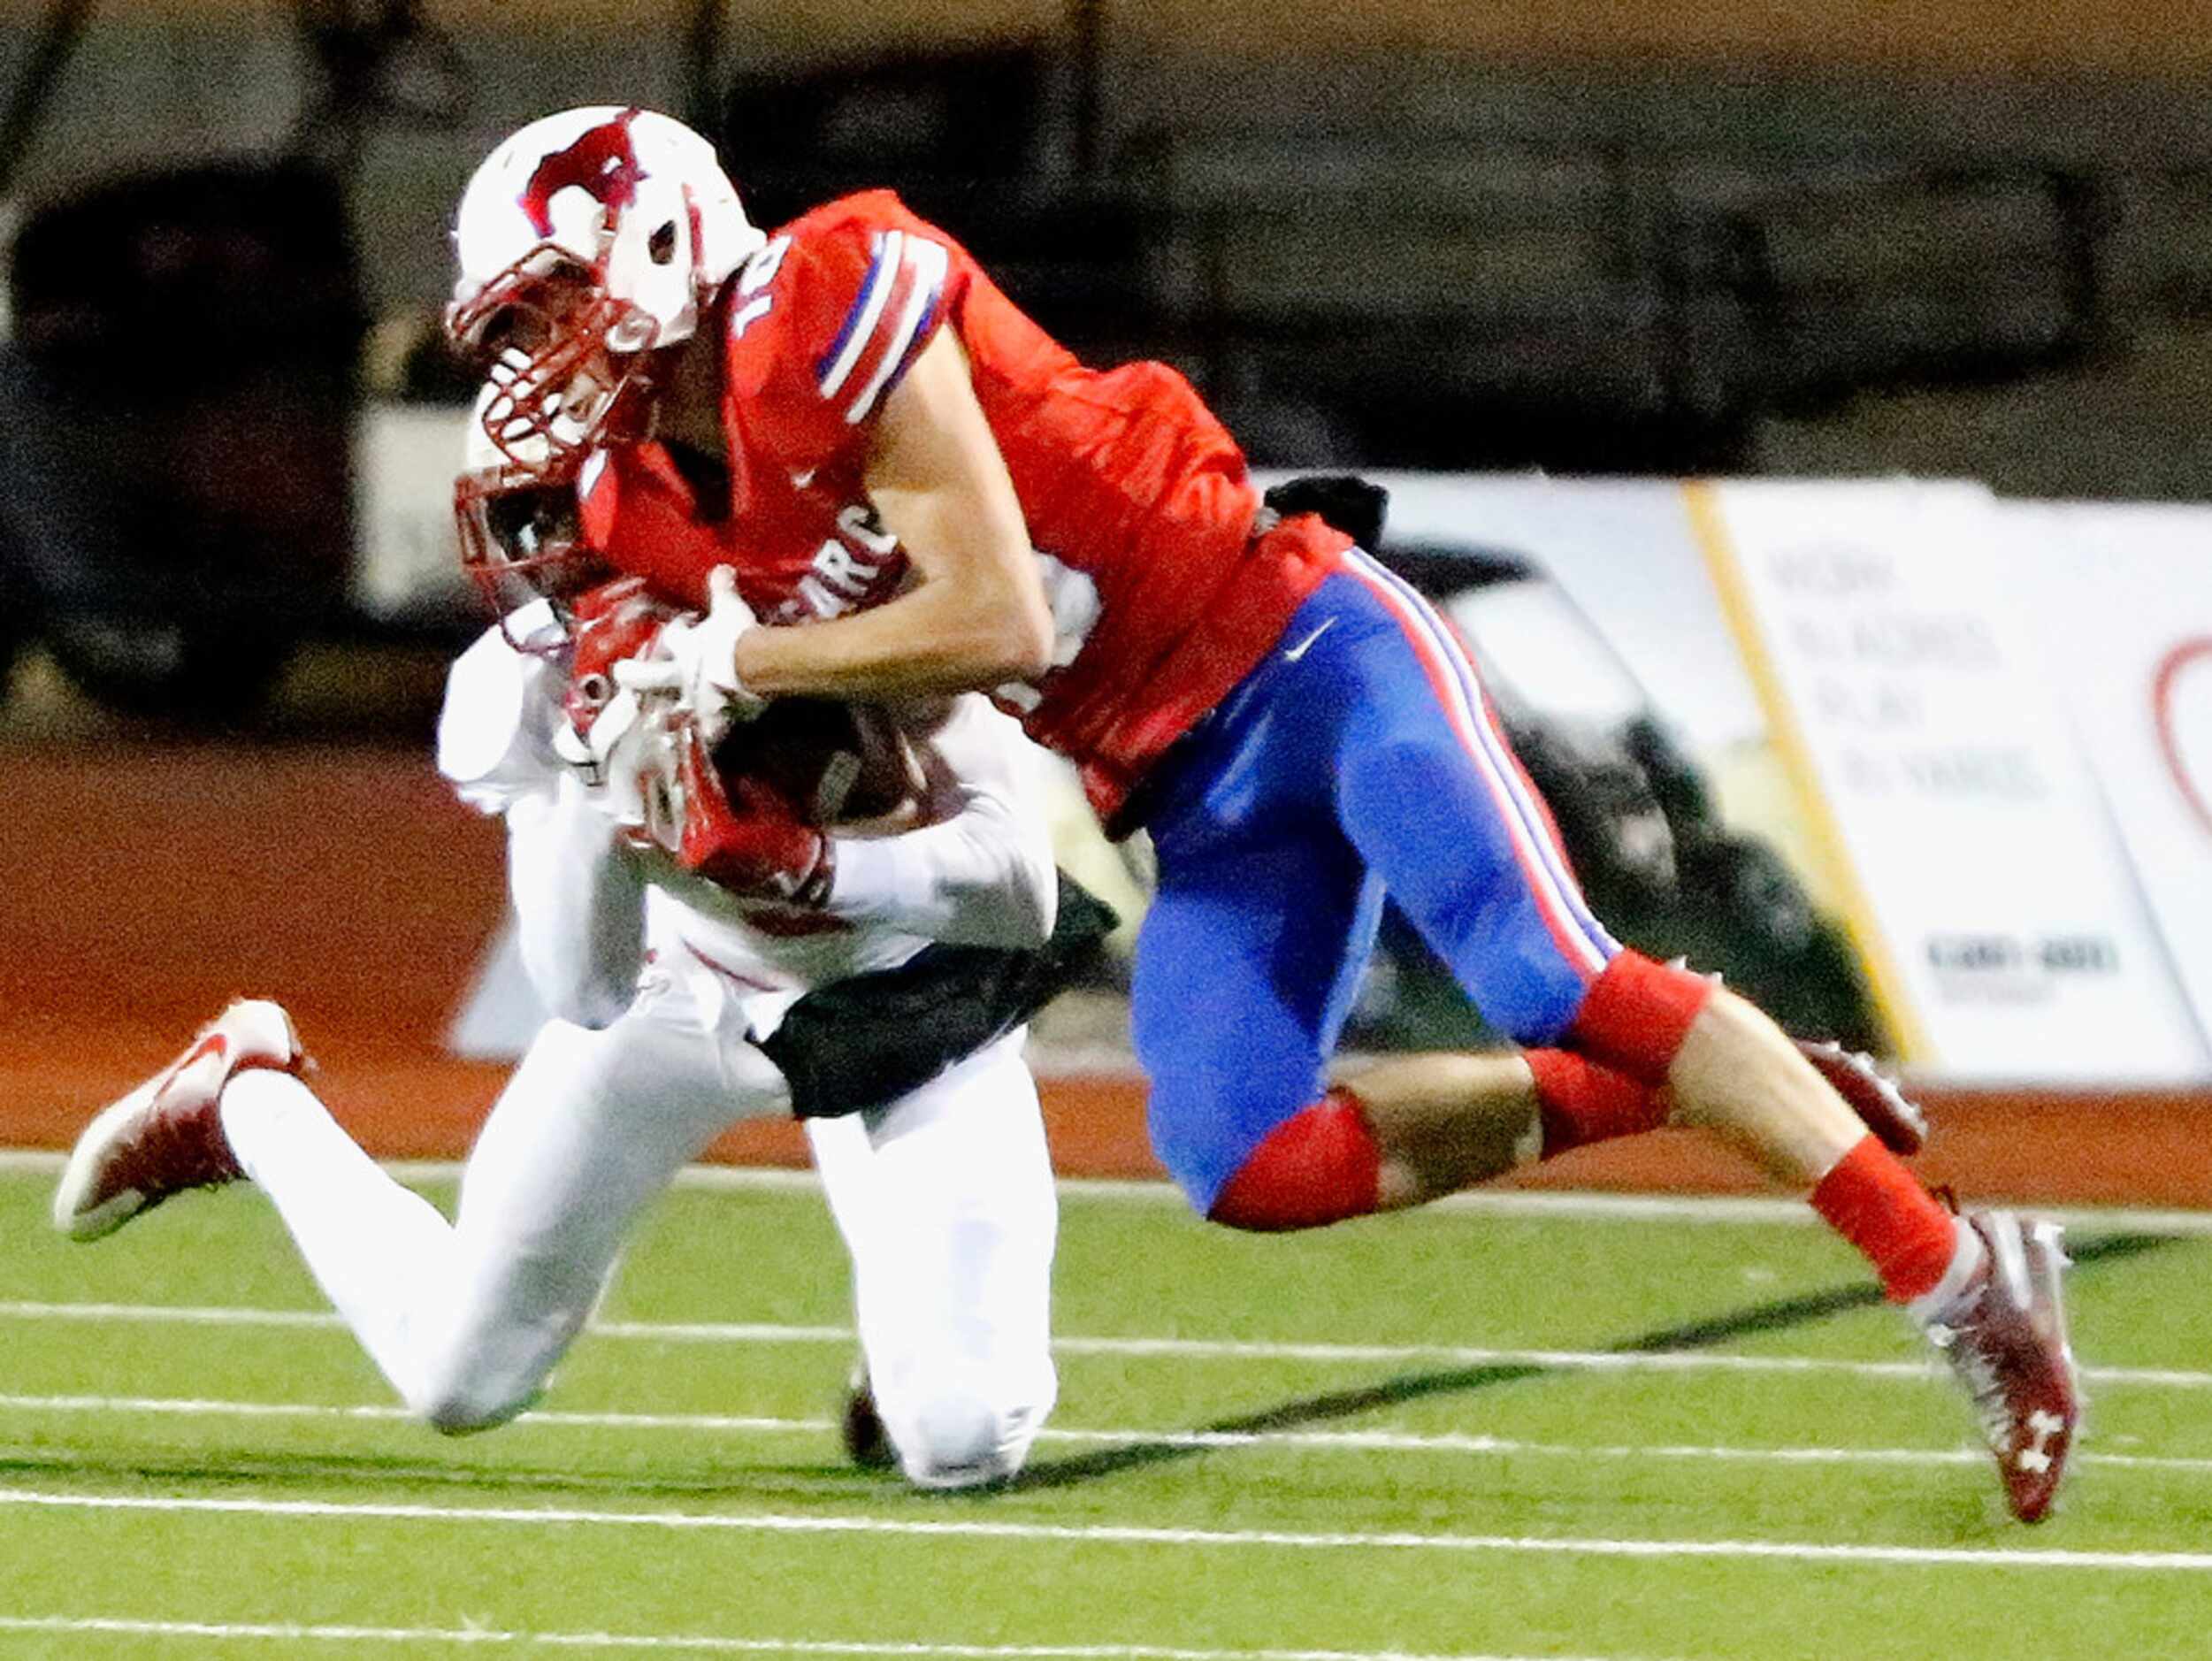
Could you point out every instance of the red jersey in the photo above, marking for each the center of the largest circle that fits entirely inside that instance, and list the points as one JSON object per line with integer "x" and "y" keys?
{"x": 1136, "y": 497}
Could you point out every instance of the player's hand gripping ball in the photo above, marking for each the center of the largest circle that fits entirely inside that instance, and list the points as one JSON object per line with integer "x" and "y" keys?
{"x": 752, "y": 811}
{"x": 694, "y": 659}
{"x": 758, "y": 810}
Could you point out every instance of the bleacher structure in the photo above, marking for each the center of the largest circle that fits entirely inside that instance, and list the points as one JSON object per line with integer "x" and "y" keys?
{"x": 1410, "y": 257}
{"x": 1425, "y": 262}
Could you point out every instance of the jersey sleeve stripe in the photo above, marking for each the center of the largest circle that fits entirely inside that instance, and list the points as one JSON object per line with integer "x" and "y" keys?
{"x": 859, "y": 321}
{"x": 925, "y": 267}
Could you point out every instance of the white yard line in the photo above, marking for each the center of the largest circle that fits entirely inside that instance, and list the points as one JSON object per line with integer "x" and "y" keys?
{"x": 1315, "y": 1441}
{"x": 1591, "y": 1206}
{"x": 1122, "y": 1534}
{"x": 1181, "y": 1349}
{"x": 707, "y": 1644}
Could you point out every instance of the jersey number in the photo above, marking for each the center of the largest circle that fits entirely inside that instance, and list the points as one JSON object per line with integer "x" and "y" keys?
{"x": 752, "y": 280}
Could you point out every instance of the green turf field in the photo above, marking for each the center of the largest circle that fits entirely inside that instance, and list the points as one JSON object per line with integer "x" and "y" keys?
{"x": 1496, "y": 1431}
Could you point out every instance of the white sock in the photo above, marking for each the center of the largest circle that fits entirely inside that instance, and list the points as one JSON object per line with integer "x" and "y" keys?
{"x": 1932, "y": 1306}
{"x": 378, "y": 1250}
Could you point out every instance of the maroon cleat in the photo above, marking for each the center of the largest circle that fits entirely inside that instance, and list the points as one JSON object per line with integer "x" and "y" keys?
{"x": 1898, "y": 1124}
{"x": 166, "y": 1135}
{"x": 2005, "y": 1336}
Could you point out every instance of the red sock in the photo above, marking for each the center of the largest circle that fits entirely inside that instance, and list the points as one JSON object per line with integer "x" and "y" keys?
{"x": 1637, "y": 1014}
{"x": 1880, "y": 1207}
{"x": 1581, "y": 1102}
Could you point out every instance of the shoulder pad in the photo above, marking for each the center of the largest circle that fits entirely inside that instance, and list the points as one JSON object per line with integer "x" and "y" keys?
{"x": 495, "y": 727}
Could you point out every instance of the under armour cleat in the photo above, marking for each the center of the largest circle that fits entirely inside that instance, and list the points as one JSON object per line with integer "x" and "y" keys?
{"x": 1897, "y": 1121}
{"x": 867, "y": 1443}
{"x": 2005, "y": 1336}
{"x": 166, "y": 1135}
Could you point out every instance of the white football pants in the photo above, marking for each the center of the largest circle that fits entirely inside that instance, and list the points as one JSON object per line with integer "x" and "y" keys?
{"x": 948, "y": 1209}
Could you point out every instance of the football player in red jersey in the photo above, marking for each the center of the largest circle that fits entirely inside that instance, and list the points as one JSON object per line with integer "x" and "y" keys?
{"x": 848, "y": 424}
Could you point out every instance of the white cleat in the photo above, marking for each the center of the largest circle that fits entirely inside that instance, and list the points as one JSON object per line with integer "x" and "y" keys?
{"x": 166, "y": 1135}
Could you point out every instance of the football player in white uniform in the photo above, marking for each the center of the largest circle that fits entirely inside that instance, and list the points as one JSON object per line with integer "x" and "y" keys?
{"x": 885, "y": 979}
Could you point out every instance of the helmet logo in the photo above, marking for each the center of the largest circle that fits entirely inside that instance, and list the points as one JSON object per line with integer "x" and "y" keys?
{"x": 602, "y": 162}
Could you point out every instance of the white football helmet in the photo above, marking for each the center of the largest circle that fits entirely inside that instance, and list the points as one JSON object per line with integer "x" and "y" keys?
{"x": 586, "y": 240}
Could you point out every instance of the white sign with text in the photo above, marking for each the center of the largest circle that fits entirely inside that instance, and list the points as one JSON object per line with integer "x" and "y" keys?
{"x": 1997, "y": 899}
{"x": 2121, "y": 596}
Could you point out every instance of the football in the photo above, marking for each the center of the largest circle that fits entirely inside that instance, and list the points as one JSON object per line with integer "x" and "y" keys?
{"x": 836, "y": 763}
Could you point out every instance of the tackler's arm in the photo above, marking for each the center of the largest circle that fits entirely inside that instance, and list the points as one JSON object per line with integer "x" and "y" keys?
{"x": 579, "y": 903}
{"x": 578, "y": 899}
{"x": 983, "y": 876}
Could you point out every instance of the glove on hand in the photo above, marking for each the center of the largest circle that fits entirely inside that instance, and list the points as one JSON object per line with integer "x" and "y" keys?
{"x": 628, "y": 763}
{"x": 623, "y": 748}
{"x": 744, "y": 835}
{"x": 695, "y": 659}
{"x": 614, "y": 622}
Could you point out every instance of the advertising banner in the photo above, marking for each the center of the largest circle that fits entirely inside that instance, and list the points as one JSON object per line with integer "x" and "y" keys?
{"x": 1985, "y": 883}
{"x": 2120, "y": 594}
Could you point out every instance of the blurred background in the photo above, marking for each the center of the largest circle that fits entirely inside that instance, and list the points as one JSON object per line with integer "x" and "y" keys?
{"x": 1480, "y": 249}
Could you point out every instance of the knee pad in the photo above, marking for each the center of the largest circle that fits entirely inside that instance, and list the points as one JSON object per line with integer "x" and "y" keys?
{"x": 1318, "y": 1166}
{"x": 1637, "y": 1014}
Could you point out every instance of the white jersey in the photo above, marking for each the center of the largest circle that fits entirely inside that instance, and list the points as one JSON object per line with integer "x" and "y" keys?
{"x": 943, "y": 1192}
{"x": 592, "y": 910}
